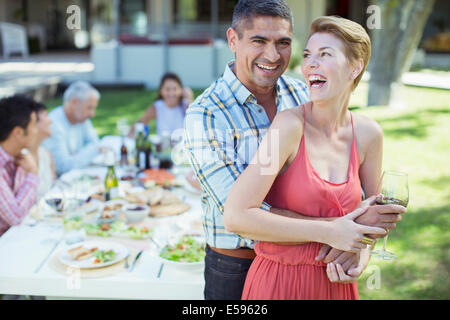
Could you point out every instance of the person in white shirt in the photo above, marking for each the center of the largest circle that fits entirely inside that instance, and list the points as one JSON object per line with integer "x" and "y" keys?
{"x": 74, "y": 141}
{"x": 46, "y": 166}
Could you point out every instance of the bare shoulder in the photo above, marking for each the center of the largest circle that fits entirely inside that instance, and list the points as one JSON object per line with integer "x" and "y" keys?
{"x": 289, "y": 120}
{"x": 367, "y": 130}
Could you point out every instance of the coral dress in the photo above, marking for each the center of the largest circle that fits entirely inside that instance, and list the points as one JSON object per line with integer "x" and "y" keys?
{"x": 281, "y": 272}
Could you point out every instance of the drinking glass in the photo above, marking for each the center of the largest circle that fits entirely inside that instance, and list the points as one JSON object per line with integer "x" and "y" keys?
{"x": 123, "y": 127}
{"x": 55, "y": 198}
{"x": 394, "y": 190}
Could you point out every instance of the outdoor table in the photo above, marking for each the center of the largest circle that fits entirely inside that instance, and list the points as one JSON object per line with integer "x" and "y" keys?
{"x": 24, "y": 269}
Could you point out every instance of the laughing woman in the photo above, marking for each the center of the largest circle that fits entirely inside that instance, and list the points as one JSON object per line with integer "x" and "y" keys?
{"x": 322, "y": 154}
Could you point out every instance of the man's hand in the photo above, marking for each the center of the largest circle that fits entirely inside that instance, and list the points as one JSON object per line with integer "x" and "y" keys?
{"x": 328, "y": 254}
{"x": 382, "y": 216}
{"x": 27, "y": 162}
{"x": 336, "y": 273}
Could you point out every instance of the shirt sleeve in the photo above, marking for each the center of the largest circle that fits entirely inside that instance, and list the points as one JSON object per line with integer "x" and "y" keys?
{"x": 14, "y": 207}
{"x": 209, "y": 144}
{"x": 64, "y": 161}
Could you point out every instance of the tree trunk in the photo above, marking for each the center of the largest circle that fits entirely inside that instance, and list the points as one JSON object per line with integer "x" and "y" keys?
{"x": 394, "y": 45}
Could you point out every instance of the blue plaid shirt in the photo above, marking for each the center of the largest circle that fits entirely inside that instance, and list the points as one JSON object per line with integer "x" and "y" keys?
{"x": 223, "y": 128}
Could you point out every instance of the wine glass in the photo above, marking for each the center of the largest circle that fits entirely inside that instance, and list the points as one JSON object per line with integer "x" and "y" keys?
{"x": 55, "y": 198}
{"x": 123, "y": 127}
{"x": 394, "y": 190}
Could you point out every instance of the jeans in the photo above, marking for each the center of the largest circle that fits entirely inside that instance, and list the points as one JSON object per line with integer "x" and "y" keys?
{"x": 224, "y": 276}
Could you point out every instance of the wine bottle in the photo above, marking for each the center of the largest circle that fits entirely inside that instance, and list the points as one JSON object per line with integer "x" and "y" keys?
{"x": 139, "y": 127}
{"x": 123, "y": 153}
{"x": 148, "y": 153}
{"x": 111, "y": 181}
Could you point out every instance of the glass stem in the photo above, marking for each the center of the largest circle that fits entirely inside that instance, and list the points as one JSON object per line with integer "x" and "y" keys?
{"x": 385, "y": 242}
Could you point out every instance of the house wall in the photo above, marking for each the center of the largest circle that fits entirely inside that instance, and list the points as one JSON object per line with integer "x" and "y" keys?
{"x": 304, "y": 12}
{"x": 144, "y": 63}
{"x": 7, "y": 9}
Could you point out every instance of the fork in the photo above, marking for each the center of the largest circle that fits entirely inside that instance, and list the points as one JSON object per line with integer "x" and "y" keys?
{"x": 126, "y": 263}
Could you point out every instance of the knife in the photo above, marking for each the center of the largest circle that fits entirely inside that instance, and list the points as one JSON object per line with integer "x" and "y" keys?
{"x": 134, "y": 261}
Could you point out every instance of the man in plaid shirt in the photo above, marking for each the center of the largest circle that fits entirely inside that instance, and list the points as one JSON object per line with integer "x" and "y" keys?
{"x": 224, "y": 126}
{"x": 18, "y": 169}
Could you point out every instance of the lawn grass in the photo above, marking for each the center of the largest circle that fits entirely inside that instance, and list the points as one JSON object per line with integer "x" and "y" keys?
{"x": 416, "y": 140}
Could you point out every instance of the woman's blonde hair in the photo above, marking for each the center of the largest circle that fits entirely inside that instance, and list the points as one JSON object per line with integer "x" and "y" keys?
{"x": 354, "y": 37}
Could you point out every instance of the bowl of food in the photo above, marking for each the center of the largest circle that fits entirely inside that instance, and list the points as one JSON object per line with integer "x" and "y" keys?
{"x": 135, "y": 212}
{"x": 107, "y": 217}
{"x": 185, "y": 251}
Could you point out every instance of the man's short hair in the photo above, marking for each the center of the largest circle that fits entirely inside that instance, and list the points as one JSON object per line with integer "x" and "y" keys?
{"x": 15, "y": 111}
{"x": 246, "y": 10}
{"x": 80, "y": 90}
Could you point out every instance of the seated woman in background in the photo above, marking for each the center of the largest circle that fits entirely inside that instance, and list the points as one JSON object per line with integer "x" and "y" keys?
{"x": 170, "y": 105}
{"x": 46, "y": 166}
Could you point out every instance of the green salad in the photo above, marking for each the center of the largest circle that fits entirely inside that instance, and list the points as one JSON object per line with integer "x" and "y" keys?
{"x": 117, "y": 227}
{"x": 102, "y": 256}
{"x": 187, "y": 249}
{"x": 73, "y": 223}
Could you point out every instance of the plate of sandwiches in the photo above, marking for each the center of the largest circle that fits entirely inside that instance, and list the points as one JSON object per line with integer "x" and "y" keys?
{"x": 93, "y": 254}
{"x": 163, "y": 203}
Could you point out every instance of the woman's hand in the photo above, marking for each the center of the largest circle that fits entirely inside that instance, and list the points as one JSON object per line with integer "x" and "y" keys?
{"x": 336, "y": 274}
{"x": 346, "y": 235}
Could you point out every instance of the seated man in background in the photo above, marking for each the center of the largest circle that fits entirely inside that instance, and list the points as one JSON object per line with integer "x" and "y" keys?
{"x": 18, "y": 168}
{"x": 74, "y": 141}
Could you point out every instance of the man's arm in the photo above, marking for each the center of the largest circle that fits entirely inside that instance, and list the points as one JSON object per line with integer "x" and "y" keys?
{"x": 13, "y": 208}
{"x": 295, "y": 215}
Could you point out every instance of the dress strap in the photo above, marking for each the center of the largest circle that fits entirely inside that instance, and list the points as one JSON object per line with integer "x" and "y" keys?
{"x": 355, "y": 152}
{"x": 353, "y": 126}
{"x": 304, "y": 116}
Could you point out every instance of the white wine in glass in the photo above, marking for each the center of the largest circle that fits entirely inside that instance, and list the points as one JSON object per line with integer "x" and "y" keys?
{"x": 394, "y": 190}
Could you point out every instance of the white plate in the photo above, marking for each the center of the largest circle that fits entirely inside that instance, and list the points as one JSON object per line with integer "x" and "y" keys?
{"x": 112, "y": 203}
{"x": 89, "y": 174}
{"x": 188, "y": 187}
{"x": 93, "y": 205}
{"x": 121, "y": 253}
{"x": 188, "y": 266}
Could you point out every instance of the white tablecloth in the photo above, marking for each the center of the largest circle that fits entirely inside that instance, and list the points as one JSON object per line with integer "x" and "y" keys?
{"x": 24, "y": 268}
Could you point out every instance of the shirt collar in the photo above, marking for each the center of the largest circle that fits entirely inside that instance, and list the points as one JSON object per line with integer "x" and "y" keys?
{"x": 5, "y": 157}
{"x": 240, "y": 92}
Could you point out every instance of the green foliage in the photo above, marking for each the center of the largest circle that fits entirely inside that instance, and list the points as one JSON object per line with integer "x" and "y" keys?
{"x": 296, "y": 56}
{"x": 415, "y": 141}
